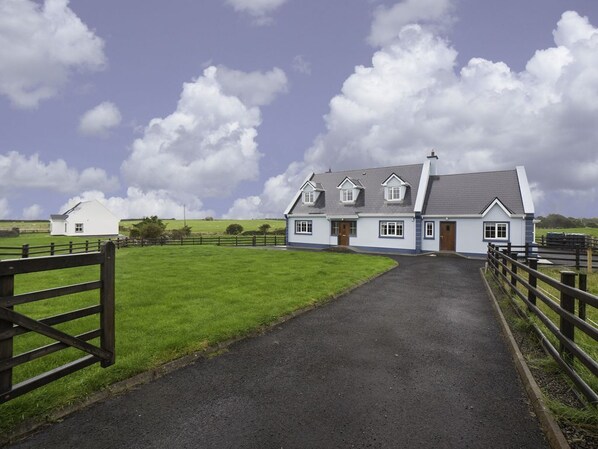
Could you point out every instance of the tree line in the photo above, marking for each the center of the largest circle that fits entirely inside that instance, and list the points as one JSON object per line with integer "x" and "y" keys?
{"x": 561, "y": 222}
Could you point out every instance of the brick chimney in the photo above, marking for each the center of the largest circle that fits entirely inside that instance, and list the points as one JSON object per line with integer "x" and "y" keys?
{"x": 433, "y": 160}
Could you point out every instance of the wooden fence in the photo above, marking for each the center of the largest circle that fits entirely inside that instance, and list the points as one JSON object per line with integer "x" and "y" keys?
{"x": 13, "y": 324}
{"x": 522, "y": 280}
{"x": 52, "y": 249}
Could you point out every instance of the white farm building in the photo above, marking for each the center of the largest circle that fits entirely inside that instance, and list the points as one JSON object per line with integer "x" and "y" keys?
{"x": 412, "y": 209}
{"x": 87, "y": 218}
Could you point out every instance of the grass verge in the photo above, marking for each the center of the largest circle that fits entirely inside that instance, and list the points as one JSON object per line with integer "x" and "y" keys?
{"x": 173, "y": 301}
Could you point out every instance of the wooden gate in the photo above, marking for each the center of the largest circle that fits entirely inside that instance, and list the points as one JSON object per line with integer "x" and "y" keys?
{"x": 13, "y": 324}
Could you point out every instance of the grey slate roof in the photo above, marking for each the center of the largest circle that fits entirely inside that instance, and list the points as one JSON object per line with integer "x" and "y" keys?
{"x": 472, "y": 193}
{"x": 370, "y": 199}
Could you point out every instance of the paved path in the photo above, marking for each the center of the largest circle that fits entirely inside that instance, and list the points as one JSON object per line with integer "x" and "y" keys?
{"x": 413, "y": 359}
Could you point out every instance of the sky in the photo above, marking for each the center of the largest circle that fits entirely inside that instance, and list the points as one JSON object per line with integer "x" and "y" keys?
{"x": 222, "y": 108}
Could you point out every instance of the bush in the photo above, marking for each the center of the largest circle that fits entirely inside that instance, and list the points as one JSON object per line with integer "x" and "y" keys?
{"x": 234, "y": 229}
{"x": 148, "y": 228}
{"x": 279, "y": 231}
{"x": 177, "y": 234}
{"x": 209, "y": 219}
{"x": 264, "y": 228}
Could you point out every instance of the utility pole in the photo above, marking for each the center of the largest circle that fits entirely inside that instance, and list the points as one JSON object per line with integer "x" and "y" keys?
{"x": 184, "y": 215}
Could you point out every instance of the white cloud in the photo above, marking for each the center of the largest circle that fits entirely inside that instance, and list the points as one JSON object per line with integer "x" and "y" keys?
{"x": 99, "y": 120}
{"x": 21, "y": 172}
{"x": 207, "y": 145}
{"x": 138, "y": 204}
{"x": 259, "y": 10}
{"x": 253, "y": 88}
{"x": 388, "y": 22}
{"x": 482, "y": 117}
{"x": 40, "y": 46}
{"x": 32, "y": 212}
{"x": 4, "y": 210}
{"x": 301, "y": 65}
{"x": 245, "y": 208}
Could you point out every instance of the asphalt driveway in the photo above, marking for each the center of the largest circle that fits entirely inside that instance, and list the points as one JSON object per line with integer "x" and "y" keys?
{"x": 414, "y": 359}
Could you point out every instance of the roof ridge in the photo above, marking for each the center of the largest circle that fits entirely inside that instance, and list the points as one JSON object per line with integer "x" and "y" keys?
{"x": 479, "y": 172}
{"x": 370, "y": 168}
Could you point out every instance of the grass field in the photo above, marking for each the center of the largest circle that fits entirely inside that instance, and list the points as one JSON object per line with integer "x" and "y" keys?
{"x": 214, "y": 226}
{"x": 175, "y": 301}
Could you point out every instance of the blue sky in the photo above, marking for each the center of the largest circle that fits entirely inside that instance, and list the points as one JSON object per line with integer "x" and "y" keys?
{"x": 225, "y": 106}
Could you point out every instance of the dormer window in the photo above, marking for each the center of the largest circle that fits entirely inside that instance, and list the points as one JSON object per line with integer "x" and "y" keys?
{"x": 347, "y": 195}
{"x": 310, "y": 192}
{"x": 349, "y": 190}
{"x": 394, "y": 194}
{"x": 309, "y": 197}
{"x": 394, "y": 189}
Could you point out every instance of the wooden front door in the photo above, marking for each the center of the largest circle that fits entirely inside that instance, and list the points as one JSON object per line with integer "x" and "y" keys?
{"x": 448, "y": 235}
{"x": 344, "y": 230}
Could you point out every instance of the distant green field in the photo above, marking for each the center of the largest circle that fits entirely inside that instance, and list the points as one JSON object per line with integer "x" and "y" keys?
{"x": 215, "y": 226}
{"x": 26, "y": 225}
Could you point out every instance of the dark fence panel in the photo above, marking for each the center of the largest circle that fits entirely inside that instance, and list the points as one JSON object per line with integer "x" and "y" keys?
{"x": 13, "y": 323}
{"x": 519, "y": 278}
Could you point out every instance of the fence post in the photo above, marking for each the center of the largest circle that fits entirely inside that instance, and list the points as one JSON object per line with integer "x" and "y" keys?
{"x": 236, "y": 240}
{"x": 70, "y": 247}
{"x": 527, "y": 250}
{"x": 253, "y": 240}
{"x": 86, "y": 246}
{"x": 100, "y": 244}
{"x": 532, "y": 280}
{"x": 218, "y": 240}
{"x": 275, "y": 240}
{"x": 543, "y": 243}
{"x": 25, "y": 251}
{"x": 107, "y": 301}
{"x": 568, "y": 304}
{"x": 577, "y": 258}
{"x": 52, "y": 249}
{"x": 589, "y": 261}
{"x": 504, "y": 261}
{"x": 583, "y": 285}
{"x": 200, "y": 240}
{"x": 264, "y": 239}
{"x": 7, "y": 284}
{"x": 513, "y": 272}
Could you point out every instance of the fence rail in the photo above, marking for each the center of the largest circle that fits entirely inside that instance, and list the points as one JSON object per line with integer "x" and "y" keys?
{"x": 13, "y": 323}
{"x": 532, "y": 289}
{"x": 52, "y": 249}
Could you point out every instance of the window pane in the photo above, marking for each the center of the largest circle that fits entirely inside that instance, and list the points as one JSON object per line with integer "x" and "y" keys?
{"x": 501, "y": 230}
{"x": 400, "y": 229}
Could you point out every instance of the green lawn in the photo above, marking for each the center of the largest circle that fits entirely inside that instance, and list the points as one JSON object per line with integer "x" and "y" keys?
{"x": 172, "y": 301}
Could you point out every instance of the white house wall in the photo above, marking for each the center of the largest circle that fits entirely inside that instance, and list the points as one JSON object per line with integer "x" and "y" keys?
{"x": 96, "y": 220}
{"x": 470, "y": 231}
{"x": 368, "y": 234}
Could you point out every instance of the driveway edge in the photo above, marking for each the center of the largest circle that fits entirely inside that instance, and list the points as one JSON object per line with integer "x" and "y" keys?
{"x": 551, "y": 429}
{"x": 121, "y": 387}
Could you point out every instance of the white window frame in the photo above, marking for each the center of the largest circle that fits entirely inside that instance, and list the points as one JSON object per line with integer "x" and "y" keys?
{"x": 429, "y": 226}
{"x": 78, "y": 227}
{"x": 309, "y": 197}
{"x": 394, "y": 193}
{"x": 347, "y": 195}
{"x": 498, "y": 230}
{"x": 304, "y": 227}
{"x": 392, "y": 229}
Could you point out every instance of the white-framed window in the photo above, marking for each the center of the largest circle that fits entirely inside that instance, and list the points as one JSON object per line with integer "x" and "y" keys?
{"x": 496, "y": 231}
{"x": 303, "y": 227}
{"x": 309, "y": 197}
{"x": 391, "y": 229}
{"x": 428, "y": 229}
{"x": 347, "y": 195}
{"x": 394, "y": 193}
{"x": 78, "y": 227}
